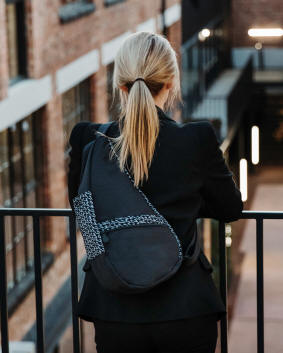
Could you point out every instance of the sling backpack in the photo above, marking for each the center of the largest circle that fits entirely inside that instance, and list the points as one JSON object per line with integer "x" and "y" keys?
{"x": 129, "y": 245}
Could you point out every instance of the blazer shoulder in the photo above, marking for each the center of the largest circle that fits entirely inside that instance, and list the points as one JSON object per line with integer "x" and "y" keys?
{"x": 207, "y": 130}
{"x": 77, "y": 130}
{"x": 192, "y": 130}
{"x": 209, "y": 142}
{"x": 81, "y": 131}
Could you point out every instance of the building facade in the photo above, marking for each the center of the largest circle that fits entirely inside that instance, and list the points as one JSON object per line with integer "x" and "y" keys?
{"x": 56, "y": 65}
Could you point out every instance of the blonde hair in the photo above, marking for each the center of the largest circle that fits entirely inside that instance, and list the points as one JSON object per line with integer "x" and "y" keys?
{"x": 151, "y": 57}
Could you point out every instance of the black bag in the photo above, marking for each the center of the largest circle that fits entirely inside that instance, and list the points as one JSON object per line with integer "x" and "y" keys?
{"x": 130, "y": 246}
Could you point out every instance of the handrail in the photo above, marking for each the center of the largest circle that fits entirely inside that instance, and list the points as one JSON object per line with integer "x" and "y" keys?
{"x": 259, "y": 216}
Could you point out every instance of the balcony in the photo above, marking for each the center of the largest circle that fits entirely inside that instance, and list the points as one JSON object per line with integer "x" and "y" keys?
{"x": 43, "y": 345}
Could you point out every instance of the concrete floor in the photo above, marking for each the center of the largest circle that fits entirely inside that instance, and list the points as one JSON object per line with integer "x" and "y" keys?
{"x": 242, "y": 326}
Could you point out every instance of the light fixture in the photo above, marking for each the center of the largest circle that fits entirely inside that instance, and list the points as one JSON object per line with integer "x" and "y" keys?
{"x": 203, "y": 34}
{"x": 228, "y": 241}
{"x": 244, "y": 179}
{"x": 265, "y": 32}
{"x": 228, "y": 229}
{"x": 228, "y": 235}
{"x": 255, "y": 144}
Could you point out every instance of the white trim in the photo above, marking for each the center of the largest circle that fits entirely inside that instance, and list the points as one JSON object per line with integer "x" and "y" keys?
{"x": 148, "y": 26}
{"x": 172, "y": 14}
{"x": 159, "y": 22}
{"x": 24, "y": 98}
{"x": 76, "y": 71}
{"x": 20, "y": 346}
{"x": 109, "y": 49}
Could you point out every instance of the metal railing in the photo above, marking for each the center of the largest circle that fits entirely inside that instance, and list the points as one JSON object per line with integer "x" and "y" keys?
{"x": 36, "y": 213}
{"x": 227, "y": 107}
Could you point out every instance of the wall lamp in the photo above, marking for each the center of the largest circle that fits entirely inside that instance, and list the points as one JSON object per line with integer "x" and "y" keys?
{"x": 244, "y": 179}
{"x": 203, "y": 34}
{"x": 255, "y": 144}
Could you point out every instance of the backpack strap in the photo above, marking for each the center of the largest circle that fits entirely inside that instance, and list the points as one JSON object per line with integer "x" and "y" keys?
{"x": 102, "y": 128}
{"x": 194, "y": 244}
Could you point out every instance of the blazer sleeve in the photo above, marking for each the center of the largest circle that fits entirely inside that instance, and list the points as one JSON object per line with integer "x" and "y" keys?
{"x": 221, "y": 198}
{"x": 76, "y": 142}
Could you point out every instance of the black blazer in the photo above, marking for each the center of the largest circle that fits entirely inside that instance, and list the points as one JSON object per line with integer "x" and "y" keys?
{"x": 188, "y": 178}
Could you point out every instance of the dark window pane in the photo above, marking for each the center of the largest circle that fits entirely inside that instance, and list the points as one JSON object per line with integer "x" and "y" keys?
{"x": 16, "y": 161}
{"x": 16, "y": 40}
{"x": 70, "y": 1}
{"x": 113, "y": 108}
{"x": 28, "y": 151}
{"x": 112, "y": 2}
{"x": 19, "y": 190}
{"x": 76, "y": 107}
{"x": 4, "y": 170}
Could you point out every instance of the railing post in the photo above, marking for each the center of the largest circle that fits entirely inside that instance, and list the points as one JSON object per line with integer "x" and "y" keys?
{"x": 38, "y": 286}
{"x": 223, "y": 285}
{"x": 74, "y": 282}
{"x": 259, "y": 283}
{"x": 3, "y": 289}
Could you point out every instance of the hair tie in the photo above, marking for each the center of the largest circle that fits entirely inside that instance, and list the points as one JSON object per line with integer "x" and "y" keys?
{"x": 140, "y": 78}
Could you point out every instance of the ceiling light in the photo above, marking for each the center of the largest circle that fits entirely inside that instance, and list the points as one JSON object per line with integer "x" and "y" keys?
{"x": 265, "y": 32}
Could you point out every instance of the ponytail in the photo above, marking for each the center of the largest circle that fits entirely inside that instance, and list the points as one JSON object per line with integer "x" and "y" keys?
{"x": 151, "y": 56}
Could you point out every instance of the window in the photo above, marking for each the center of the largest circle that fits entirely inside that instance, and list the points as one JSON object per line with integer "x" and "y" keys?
{"x": 21, "y": 186}
{"x": 112, "y": 2}
{"x": 76, "y": 107}
{"x": 113, "y": 108}
{"x": 72, "y": 1}
{"x": 16, "y": 41}
{"x": 73, "y": 9}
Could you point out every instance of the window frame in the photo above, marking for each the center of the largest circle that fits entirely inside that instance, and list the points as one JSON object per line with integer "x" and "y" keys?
{"x": 22, "y": 146}
{"x": 21, "y": 40}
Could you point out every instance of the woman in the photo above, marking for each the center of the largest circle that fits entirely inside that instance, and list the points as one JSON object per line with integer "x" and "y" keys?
{"x": 181, "y": 168}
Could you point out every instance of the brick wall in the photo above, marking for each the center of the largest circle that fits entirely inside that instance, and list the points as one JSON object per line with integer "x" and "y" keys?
{"x": 174, "y": 35}
{"x": 50, "y": 46}
{"x": 53, "y": 45}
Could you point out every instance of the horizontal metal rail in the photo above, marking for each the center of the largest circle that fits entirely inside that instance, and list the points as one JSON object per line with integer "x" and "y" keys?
{"x": 36, "y": 213}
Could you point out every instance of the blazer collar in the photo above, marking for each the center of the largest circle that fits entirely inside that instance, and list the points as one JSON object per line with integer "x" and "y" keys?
{"x": 162, "y": 115}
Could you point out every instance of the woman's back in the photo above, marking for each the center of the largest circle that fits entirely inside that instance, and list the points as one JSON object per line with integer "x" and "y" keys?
{"x": 188, "y": 177}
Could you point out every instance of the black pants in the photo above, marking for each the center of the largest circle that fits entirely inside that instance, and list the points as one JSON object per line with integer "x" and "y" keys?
{"x": 193, "y": 335}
